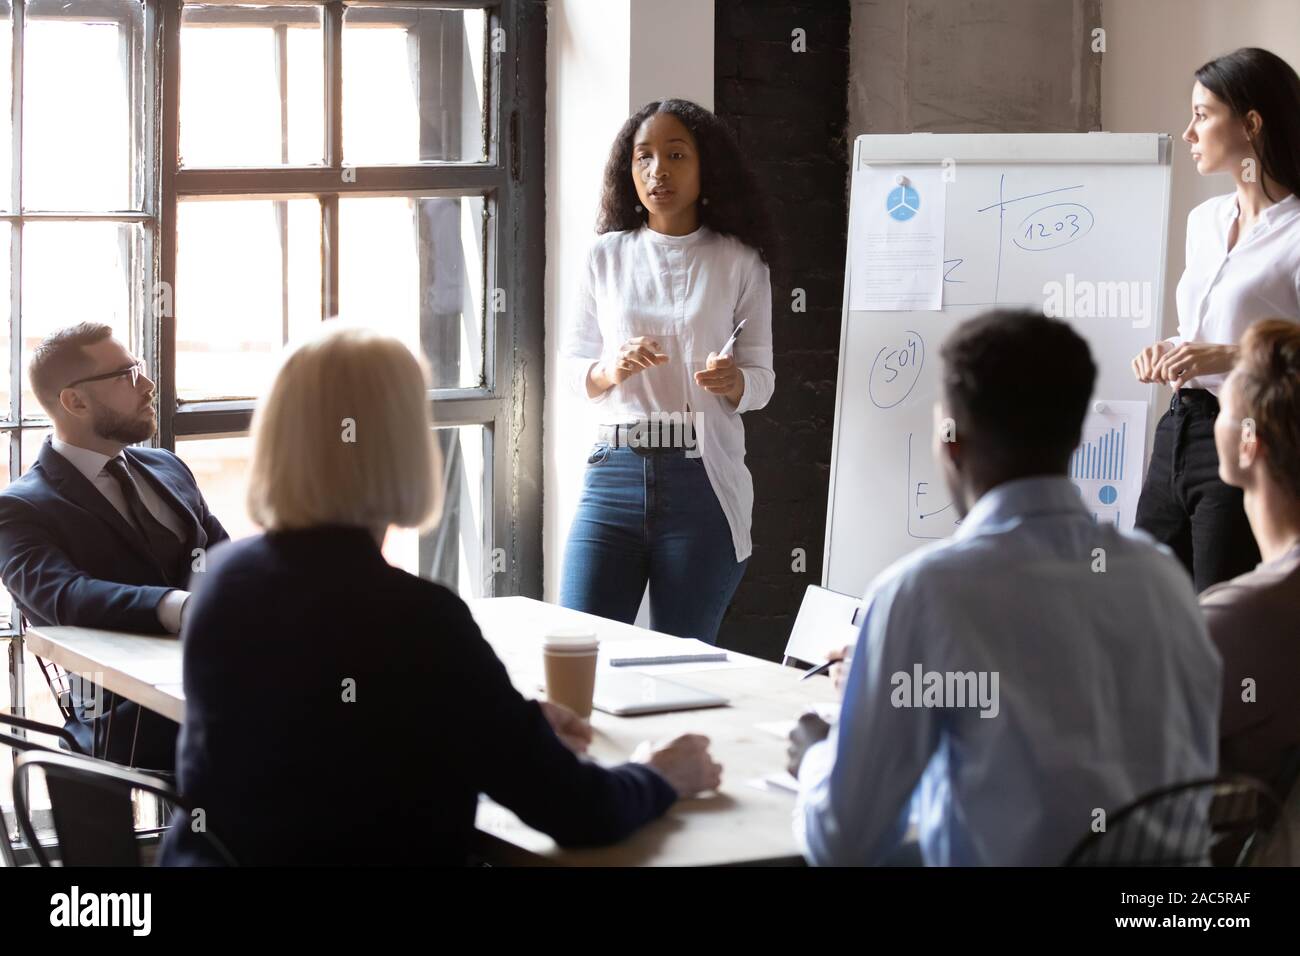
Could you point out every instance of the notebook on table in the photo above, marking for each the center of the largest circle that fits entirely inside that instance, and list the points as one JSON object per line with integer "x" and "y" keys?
{"x": 625, "y": 693}
{"x": 659, "y": 651}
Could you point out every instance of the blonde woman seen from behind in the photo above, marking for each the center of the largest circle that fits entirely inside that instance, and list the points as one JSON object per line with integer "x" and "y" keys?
{"x": 342, "y": 711}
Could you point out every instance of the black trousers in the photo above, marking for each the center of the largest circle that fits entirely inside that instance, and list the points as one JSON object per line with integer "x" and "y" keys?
{"x": 1185, "y": 504}
{"x": 113, "y": 728}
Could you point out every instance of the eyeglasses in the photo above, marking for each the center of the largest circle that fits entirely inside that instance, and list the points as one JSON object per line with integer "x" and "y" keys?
{"x": 135, "y": 371}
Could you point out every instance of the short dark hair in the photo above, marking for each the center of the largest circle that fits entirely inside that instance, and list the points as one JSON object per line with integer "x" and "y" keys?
{"x": 59, "y": 359}
{"x": 1018, "y": 385}
{"x": 1268, "y": 384}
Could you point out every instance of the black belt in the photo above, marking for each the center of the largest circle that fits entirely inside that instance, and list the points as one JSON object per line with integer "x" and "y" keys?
{"x": 1194, "y": 398}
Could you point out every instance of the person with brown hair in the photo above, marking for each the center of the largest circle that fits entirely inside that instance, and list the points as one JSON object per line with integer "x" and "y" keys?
{"x": 1252, "y": 618}
{"x": 102, "y": 534}
{"x": 1242, "y": 265}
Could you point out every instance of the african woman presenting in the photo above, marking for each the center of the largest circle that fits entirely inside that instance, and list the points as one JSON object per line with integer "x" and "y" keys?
{"x": 657, "y": 346}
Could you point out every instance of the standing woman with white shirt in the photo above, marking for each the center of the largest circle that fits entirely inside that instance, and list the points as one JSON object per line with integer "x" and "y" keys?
{"x": 680, "y": 260}
{"x": 1242, "y": 265}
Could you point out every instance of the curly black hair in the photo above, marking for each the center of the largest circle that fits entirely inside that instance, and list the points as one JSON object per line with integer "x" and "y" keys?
{"x": 736, "y": 205}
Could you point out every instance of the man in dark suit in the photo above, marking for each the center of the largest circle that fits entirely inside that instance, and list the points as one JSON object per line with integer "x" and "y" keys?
{"x": 99, "y": 534}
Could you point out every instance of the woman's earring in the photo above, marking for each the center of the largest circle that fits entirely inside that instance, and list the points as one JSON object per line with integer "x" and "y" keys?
{"x": 704, "y": 201}
{"x": 638, "y": 208}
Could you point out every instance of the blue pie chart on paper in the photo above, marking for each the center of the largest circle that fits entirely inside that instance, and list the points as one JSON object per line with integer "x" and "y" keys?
{"x": 902, "y": 203}
{"x": 1107, "y": 494}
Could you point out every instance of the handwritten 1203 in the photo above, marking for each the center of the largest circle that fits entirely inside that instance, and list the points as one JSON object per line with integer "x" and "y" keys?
{"x": 1054, "y": 226}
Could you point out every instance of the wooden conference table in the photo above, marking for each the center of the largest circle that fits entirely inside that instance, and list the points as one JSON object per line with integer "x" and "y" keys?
{"x": 745, "y": 823}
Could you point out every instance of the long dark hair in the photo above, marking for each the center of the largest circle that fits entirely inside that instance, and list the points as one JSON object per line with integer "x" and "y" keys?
{"x": 736, "y": 205}
{"x": 1254, "y": 79}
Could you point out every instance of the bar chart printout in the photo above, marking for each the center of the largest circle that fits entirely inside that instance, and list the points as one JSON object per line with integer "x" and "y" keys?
{"x": 1107, "y": 465}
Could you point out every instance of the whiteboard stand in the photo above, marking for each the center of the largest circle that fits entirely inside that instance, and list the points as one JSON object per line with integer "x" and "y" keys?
{"x": 886, "y": 498}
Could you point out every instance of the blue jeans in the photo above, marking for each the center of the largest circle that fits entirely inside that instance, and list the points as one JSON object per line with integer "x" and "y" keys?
{"x": 650, "y": 516}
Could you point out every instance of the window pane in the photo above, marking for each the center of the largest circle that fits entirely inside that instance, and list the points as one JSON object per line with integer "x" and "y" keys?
{"x": 414, "y": 268}
{"x": 247, "y": 280}
{"x": 6, "y": 326}
{"x": 82, "y": 115}
{"x": 77, "y": 272}
{"x": 268, "y": 111}
{"x": 6, "y": 98}
{"x": 413, "y": 85}
{"x": 220, "y": 467}
{"x": 31, "y": 440}
{"x": 452, "y": 553}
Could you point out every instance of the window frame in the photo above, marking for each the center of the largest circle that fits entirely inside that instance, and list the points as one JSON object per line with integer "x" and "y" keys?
{"x": 508, "y": 401}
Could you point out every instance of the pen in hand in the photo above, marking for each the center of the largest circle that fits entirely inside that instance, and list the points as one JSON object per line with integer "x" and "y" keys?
{"x": 819, "y": 669}
{"x": 731, "y": 342}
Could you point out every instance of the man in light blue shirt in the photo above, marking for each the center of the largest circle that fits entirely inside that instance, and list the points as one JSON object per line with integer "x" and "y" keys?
{"x": 1037, "y": 670}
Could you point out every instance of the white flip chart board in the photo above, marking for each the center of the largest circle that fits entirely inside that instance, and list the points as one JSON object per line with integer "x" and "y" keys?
{"x": 1075, "y": 223}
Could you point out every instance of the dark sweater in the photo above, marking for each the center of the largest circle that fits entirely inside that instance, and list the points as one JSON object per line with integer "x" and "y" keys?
{"x": 288, "y": 771}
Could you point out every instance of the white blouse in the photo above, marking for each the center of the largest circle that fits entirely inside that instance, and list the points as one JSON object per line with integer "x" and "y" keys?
{"x": 1222, "y": 292}
{"x": 686, "y": 292}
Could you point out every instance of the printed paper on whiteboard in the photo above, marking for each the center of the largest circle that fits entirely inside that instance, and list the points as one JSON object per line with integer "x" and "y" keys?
{"x": 1107, "y": 465}
{"x": 896, "y": 240}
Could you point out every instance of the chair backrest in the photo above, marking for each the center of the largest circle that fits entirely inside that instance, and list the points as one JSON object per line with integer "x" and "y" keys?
{"x": 90, "y": 801}
{"x": 1214, "y": 821}
{"x": 24, "y": 723}
{"x": 22, "y": 744}
{"x": 827, "y": 621}
{"x": 56, "y": 678}
{"x": 60, "y": 683}
{"x": 1280, "y": 846}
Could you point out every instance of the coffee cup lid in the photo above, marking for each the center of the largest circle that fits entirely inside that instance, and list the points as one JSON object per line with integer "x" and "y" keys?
{"x": 570, "y": 639}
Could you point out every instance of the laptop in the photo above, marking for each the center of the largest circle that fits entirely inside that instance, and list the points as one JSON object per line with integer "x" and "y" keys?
{"x": 625, "y": 693}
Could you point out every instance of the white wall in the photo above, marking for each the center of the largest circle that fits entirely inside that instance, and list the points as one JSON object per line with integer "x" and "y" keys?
{"x": 671, "y": 51}
{"x": 989, "y": 66}
{"x": 1152, "y": 49}
{"x": 605, "y": 59}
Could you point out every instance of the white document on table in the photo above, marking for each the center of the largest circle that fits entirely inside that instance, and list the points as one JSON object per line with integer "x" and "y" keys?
{"x": 896, "y": 233}
{"x": 782, "y": 782}
{"x": 1107, "y": 465}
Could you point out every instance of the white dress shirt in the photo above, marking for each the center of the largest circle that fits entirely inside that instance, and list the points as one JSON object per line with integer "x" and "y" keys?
{"x": 687, "y": 292}
{"x": 1222, "y": 292}
{"x": 92, "y": 465}
{"x": 1108, "y": 687}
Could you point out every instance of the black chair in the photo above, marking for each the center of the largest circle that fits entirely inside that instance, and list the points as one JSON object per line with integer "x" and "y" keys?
{"x": 57, "y": 679}
{"x": 1212, "y": 822}
{"x": 1276, "y": 847}
{"x": 23, "y": 744}
{"x": 90, "y": 801}
{"x": 65, "y": 687}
